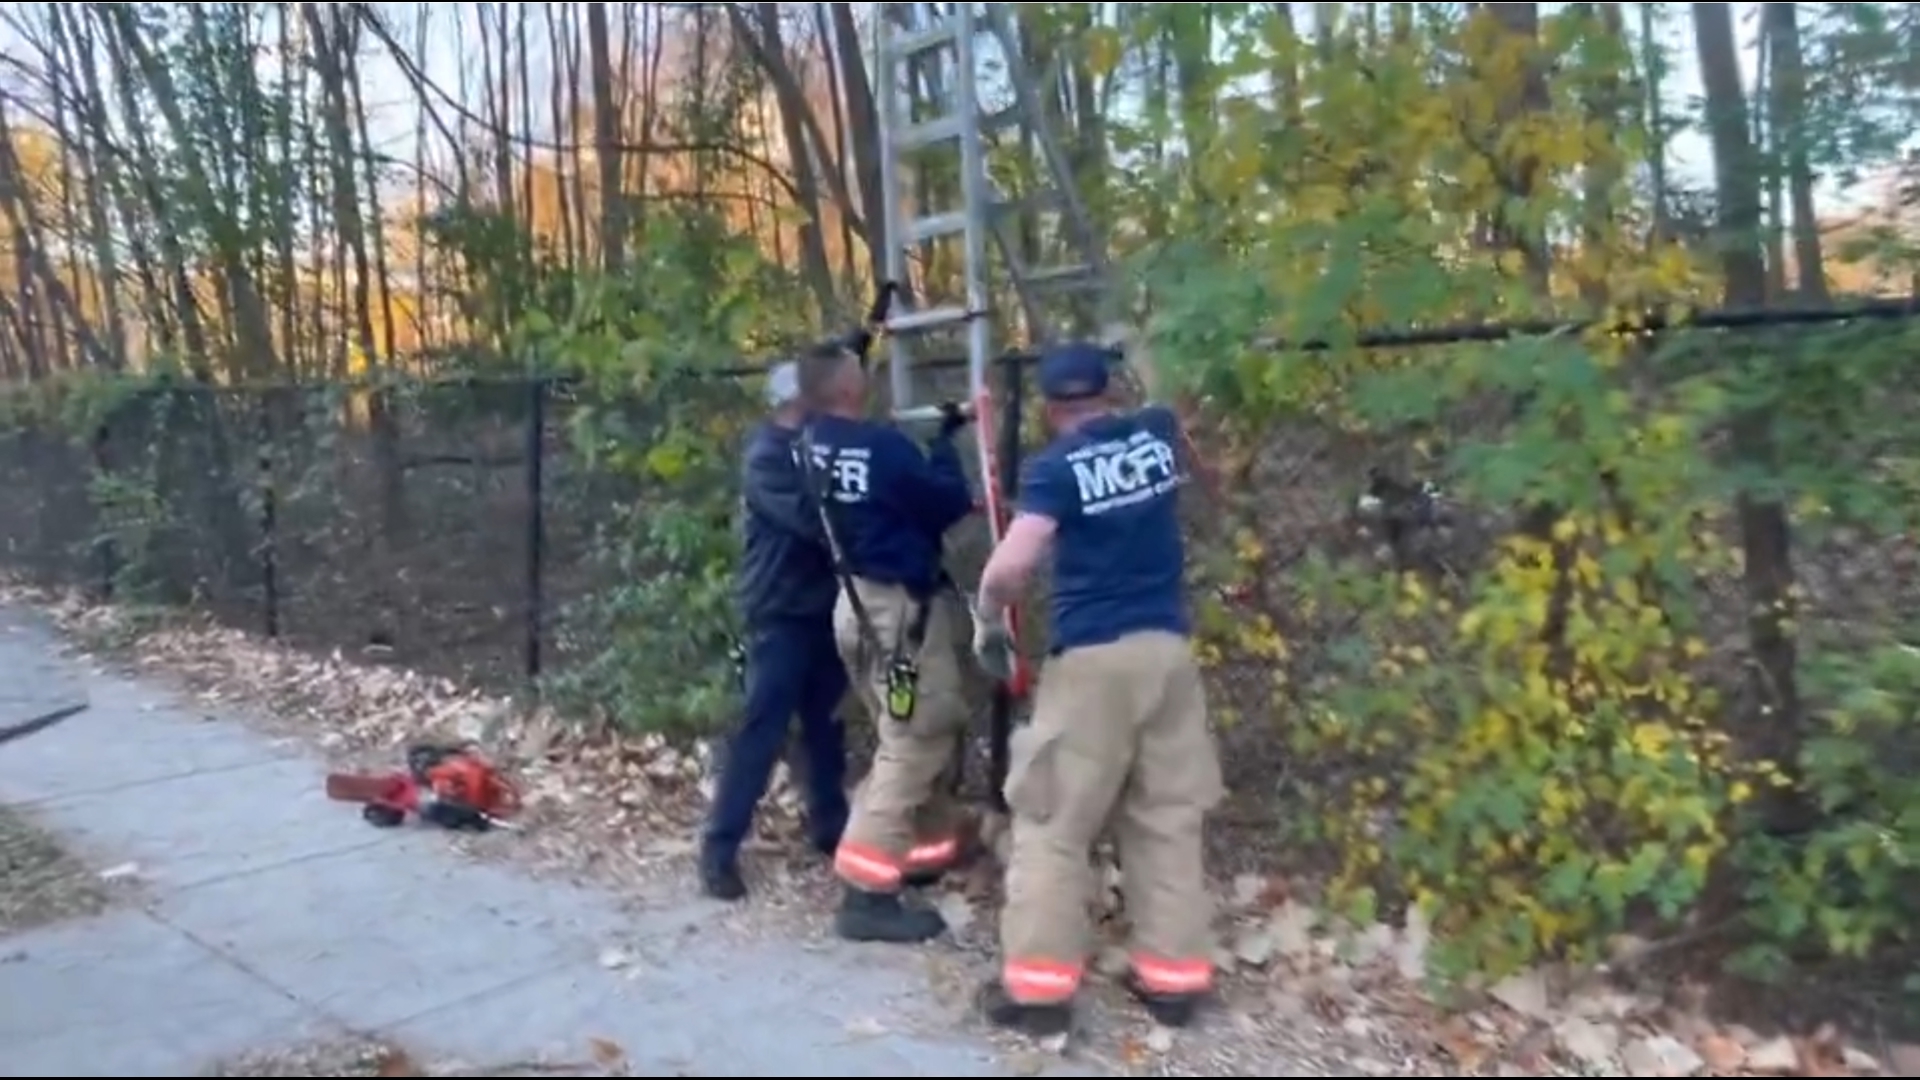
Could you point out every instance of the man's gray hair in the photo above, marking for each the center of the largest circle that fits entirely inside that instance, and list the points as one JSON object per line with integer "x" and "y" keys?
{"x": 783, "y": 385}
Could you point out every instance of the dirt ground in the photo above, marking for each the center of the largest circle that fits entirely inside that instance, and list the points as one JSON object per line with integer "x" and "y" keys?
{"x": 40, "y": 881}
{"x": 370, "y": 1057}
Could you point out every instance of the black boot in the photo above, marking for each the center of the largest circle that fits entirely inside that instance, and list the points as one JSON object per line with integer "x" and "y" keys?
{"x": 1039, "y": 1021}
{"x": 1167, "y": 1010}
{"x": 720, "y": 876}
{"x": 923, "y": 879}
{"x": 825, "y": 840}
{"x": 866, "y": 916}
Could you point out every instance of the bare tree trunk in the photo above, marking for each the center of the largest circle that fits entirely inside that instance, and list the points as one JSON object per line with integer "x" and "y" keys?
{"x": 861, "y": 118}
{"x": 79, "y": 284}
{"x": 761, "y": 36}
{"x": 559, "y": 64}
{"x": 330, "y": 43}
{"x": 606, "y": 143}
{"x": 582, "y": 227}
{"x": 653, "y": 33}
{"x": 1519, "y": 177}
{"x": 112, "y": 190}
{"x": 839, "y": 148}
{"x": 349, "y": 32}
{"x": 1651, "y": 64}
{"x": 1606, "y": 109}
{"x": 1772, "y": 722}
{"x": 1788, "y": 123}
{"x": 524, "y": 84}
{"x": 185, "y": 306}
{"x": 498, "y": 78}
{"x": 100, "y": 242}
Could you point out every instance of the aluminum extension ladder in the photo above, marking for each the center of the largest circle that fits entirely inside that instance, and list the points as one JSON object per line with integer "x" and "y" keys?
{"x": 934, "y": 55}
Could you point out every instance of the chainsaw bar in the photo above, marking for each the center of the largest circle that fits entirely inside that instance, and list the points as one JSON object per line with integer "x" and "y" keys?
{"x": 356, "y": 787}
{"x": 41, "y": 723}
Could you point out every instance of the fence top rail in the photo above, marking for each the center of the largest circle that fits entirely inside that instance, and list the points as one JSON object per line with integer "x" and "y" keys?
{"x": 1461, "y": 333}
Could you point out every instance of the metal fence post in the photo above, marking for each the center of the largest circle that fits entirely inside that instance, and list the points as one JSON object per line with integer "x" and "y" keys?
{"x": 1000, "y": 721}
{"x": 269, "y": 518}
{"x": 536, "y": 521}
{"x": 107, "y": 559}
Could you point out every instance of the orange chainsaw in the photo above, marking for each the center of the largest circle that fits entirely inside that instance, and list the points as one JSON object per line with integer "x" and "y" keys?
{"x": 453, "y": 787}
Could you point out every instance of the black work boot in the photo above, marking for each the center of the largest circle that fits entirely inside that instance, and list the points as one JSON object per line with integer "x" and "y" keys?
{"x": 720, "y": 876}
{"x": 867, "y": 916}
{"x": 826, "y": 841}
{"x": 1167, "y": 1010}
{"x": 1039, "y": 1021}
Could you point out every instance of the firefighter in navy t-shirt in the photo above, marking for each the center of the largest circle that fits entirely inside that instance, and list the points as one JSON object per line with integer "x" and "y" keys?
{"x": 889, "y": 504}
{"x": 1119, "y": 741}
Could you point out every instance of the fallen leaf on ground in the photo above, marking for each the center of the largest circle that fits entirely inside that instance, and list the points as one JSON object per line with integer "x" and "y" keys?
{"x": 1721, "y": 1053}
{"x": 606, "y": 1053}
{"x": 1460, "y": 1044}
{"x": 397, "y": 1062}
{"x": 615, "y": 806}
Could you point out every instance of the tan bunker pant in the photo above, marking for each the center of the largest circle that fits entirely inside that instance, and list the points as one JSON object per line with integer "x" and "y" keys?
{"x": 1119, "y": 743}
{"x": 903, "y": 822}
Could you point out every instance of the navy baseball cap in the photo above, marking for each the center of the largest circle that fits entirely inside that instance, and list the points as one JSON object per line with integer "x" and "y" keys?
{"x": 1074, "y": 370}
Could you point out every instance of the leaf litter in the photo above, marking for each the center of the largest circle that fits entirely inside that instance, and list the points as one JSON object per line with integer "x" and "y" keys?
{"x": 1300, "y": 995}
{"x": 41, "y": 882}
{"x": 367, "y": 1056}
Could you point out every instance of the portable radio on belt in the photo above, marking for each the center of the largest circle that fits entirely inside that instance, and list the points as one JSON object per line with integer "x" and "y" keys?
{"x": 902, "y": 673}
{"x": 903, "y": 687}
{"x": 903, "y": 670}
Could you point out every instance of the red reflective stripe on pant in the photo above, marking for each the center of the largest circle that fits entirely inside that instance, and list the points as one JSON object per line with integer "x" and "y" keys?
{"x": 934, "y": 854}
{"x": 1162, "y": 976}
{"x": 866, "y": 867}
{"x": 1039, "y": 982}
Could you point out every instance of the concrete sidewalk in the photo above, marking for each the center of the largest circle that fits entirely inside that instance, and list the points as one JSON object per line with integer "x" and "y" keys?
{"x": 272, "y": 917}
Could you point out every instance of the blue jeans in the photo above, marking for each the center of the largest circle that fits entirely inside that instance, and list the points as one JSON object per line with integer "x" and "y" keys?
{"x": 793, "y": 668}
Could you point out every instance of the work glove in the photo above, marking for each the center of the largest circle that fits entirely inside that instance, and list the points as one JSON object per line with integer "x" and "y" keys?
{"x": 953, "y": 417}
{"x": 993, "y": 647}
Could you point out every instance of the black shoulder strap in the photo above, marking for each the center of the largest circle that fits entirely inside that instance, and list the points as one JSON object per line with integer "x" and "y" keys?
{"x": 821, "y": 492}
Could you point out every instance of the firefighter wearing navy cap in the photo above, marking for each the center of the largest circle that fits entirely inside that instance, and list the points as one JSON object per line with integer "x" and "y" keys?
{"x": 1118, "y": 743}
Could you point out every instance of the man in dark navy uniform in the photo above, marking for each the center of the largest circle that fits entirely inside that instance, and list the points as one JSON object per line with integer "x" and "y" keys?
{"x": 786, "y": 591}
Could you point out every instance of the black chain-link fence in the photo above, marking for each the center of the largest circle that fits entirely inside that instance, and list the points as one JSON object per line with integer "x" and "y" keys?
{"x": 458, "y": 526}
{"x": 442, "y": 525}
{"x": 471, "y": 528}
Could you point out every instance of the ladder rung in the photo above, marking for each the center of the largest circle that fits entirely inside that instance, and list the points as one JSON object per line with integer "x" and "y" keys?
{"x": 927, "y": 414}
{"x": 1036, "y": 200}
{"x": 927, "y": 133}
{"x": 924, "y": 414}
{"x": 935, "y": 226}
{"x": 907, "y": 44}
{"x": 930, "y": 319}
{"x": 1058, "y": 275}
